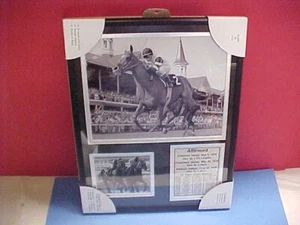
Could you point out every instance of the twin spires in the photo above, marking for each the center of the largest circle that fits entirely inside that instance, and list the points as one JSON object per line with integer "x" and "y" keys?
{"x": 180, "y": 62}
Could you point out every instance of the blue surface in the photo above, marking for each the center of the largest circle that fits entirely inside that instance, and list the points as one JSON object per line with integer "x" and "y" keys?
{"x": 256, "y": 200}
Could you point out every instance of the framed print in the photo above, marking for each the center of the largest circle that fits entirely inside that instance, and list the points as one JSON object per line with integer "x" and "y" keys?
{"x": 155, "y": 110}
{"x": 119, "y": 111}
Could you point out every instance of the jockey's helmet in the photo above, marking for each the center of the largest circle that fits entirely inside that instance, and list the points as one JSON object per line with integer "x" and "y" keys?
{"x": 147, "y": 53}
{"x": 159, "y": 61}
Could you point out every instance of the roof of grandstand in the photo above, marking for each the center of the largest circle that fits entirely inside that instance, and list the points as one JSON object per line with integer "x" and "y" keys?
{"x": 105, "y": 60}
{"x": 202, "y": 84}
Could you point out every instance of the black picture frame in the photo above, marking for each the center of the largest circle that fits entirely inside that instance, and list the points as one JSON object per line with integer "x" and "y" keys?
{"x": 82, "y": 73}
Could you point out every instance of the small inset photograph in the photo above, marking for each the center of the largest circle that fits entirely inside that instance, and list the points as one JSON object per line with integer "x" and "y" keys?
{"x": 121, "y": 175}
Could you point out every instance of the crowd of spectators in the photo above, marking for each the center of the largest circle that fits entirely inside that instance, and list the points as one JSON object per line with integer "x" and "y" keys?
{"x": 112, "y": 96}
{"x": 209, "y": 108}
{"x": 120, "y": 121}
{"x": 122, "y": 117}
{"x": 123, "y": 121}
{"x": 113, "y": 121}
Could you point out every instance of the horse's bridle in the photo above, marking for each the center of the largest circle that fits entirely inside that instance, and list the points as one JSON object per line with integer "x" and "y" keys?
{"x": 124, "y": 68}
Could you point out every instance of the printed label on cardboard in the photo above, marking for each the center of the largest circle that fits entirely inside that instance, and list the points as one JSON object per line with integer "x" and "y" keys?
{"x": 94, "y": 201}
{"x": 81, "y": 35}
{"x": 229, "y": 33}
{"x": 218, "y": 197}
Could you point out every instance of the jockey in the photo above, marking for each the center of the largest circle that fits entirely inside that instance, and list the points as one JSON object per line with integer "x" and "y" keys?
{"x": 163, "y": 69}
{"x": 147, "y": 55}
{"x": 159, "y": 67}
{"x": 115, "y": 164}
{"x": 121, "y": 162}
{"x": 147, "y": 59}
{"x": 133, "y": 162}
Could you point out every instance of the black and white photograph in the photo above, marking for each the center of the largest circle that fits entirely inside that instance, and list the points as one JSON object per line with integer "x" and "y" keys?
{"x": 121, "y": 175}
{"x": 156, "y": 88}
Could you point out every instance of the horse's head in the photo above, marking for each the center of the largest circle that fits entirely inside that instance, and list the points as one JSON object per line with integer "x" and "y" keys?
{"x": 102, "y": 173}
{"x": 127, "y": 61}
{"x": 120, "y": 163}
{"x": 142, "y": 165}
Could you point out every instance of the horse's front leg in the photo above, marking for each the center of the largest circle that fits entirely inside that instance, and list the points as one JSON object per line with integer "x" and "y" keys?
{"x": 159, "y": 120}
{"x": 139, "y": 110}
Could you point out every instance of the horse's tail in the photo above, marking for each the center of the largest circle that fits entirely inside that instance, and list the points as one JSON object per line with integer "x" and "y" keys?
{"x": 193, "y": 94}
{"x": 199, "y": 95}
{"x": 187, "y": 87}
{"x": 196, "y": 94}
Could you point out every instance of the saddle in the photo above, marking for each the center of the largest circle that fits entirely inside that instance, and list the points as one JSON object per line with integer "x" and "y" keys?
{"x": 171, "y": 80}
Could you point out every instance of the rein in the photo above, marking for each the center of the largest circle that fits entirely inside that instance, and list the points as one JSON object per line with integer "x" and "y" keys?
{"x": 132, "y": 66}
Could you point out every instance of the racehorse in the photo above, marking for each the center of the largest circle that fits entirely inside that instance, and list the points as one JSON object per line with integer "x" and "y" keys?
{"x": 135, "y": 176}
{"x": 114, "y": 177}
{"x": 154, "y": 94}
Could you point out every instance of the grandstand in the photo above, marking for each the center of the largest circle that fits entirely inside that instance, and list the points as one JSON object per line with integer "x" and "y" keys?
{"x": 114, "y": 114}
